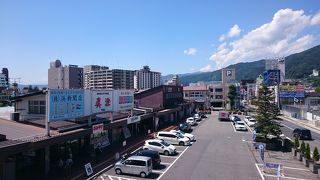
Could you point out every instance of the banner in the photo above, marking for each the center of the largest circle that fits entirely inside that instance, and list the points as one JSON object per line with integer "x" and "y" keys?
{"x": 98, "y": 128}
{"x": 123, "y": 100}
{"x": 102, "y": 101}
{"x": 65, "y": 104}
{"x": 133, "y": 119}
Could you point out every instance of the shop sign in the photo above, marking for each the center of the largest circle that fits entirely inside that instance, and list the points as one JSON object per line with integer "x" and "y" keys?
{"x": 123, "y": 100}
{"x": 133, "y": 119}
{"x": 102, "y": 101}
{"x": 88, "y": 169}
{"x": 98, "y": 128}
{"x": 65, "y": 104}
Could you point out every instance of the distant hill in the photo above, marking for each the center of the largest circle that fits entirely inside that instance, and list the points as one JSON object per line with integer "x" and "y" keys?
{"x": 298, "y": 66}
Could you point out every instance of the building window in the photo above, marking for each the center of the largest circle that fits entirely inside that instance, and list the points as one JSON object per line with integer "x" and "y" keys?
{"x": 37, "y": 107}
{"x": 218, "y": 90}
{"x": 219, "y": 97}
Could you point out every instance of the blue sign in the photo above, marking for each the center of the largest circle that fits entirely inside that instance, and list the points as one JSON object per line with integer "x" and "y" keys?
{"x": 291, "y": 94}
{"x": 261, "y": 151}
{"x": 273, "y": 165}
{"x": 65, "y": 104}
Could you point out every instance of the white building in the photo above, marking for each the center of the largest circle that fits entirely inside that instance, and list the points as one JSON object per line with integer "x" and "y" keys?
{"x": 146, "y": 79}
{"x": 277, "y": 63}
{"x": 3, "y": 81}
{"x": 175, "y": 81}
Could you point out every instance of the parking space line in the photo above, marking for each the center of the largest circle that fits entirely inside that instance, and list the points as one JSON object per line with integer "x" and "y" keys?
{"x": 286, "y": 167}
{"x": 173, "y": 163}
{"x": 174, "y": 157}
{"x": 165, "y": 163}
{"x": 248, "y": 126}
{"x": 157, "y": 171}
{"x": 234, "y": 129}
{"x": 284, "y": 177}
{"x": 261, "y": 174}
{"x": 120, "y": 178}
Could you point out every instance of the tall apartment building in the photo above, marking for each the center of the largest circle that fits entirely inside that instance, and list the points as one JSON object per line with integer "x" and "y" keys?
{"x": 146, "y": 79}
{"x": 101, "y": 77}
{"x": 64, "y": 77}
{"x": 4, "y": 78}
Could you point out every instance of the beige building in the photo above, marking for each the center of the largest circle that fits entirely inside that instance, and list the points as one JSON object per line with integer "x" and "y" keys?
{"x": 146, "y": 79}
{"x": 199, "y": 95}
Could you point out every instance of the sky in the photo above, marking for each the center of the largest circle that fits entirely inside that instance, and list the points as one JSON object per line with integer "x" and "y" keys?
{"x": 171, "y": 36}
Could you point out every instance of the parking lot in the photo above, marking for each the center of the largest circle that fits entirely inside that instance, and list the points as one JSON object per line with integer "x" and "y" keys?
{"x": 166, "y": 163}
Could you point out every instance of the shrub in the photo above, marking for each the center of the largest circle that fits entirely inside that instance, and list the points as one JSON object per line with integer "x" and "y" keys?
{"x": 307, "y": 153}
{"x": 315, "y": 154}
{"x": 296, "y": 143}
{"x": 303, "y": 147}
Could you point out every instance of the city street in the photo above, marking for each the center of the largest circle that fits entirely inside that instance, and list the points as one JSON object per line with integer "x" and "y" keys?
{"x": 218, "y": 153}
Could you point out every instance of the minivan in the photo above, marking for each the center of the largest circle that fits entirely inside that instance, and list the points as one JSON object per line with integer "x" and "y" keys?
{"x": 173, "y": 138}
{"x": 136, "y": 165}
{"x": 154, "y": 155}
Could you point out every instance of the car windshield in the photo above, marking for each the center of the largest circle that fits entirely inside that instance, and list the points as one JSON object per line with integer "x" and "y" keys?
{"x": 180, "y": 132}
{"x": 252, "y": 120}
{"x": 240, "y": 123}
{"x": 165, "y": 143}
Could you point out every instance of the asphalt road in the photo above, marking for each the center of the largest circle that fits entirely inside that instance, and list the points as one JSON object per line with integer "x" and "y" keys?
{"x": 288, "y": 128}
{"x": 219, "y": 153}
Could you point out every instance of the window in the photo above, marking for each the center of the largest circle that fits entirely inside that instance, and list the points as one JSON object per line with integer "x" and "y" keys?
{"x": 37, "y": 107}
{"x": 218, "y": 90}
{"x": 219, "y": 97}
{"x": 138, "y": 163}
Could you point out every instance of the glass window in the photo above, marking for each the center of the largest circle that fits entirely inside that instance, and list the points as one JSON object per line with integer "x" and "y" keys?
{"x": 37, "y": 107}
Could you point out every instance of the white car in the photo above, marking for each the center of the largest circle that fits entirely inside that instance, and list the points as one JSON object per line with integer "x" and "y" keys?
{"x": 173, "y": 138}
{"x": 240, "y": 126}
{"x": 191, "y": 121}
{"x": 197, "y": 117}
{"x": 160, "y": 146}
{"x": 188, "y": 135}
{"x": 246, "y": 118}
{"x": 251, "y": 122}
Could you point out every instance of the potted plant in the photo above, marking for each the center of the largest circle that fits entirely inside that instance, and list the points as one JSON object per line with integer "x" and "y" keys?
{"x": 302, "y": 151}
{"x": 315, "y": 165}
{"x": 295, "y": 147}
{"x": 306, "y": 157}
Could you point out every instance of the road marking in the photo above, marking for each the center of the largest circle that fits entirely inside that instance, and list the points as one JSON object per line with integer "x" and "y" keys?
{"x": 174, "y": 157}
{"x": 284, "y": 177}
{"x": 172, "y": 163}
{"x": 301, "y": 169}
{"x": 165, "y": 163}
{"x": 287, "y": 126}
{"x": 124, "y": 178}
{"x": 248, "y": 126}
{"x": 157, "y": 171}
{"x": 288, "y": 138}
{"x": 261, "y": 174}
{"x": 234, "y": 129}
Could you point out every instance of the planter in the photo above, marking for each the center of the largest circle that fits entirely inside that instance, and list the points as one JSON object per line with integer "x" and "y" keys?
{"x": 305, "y": 161}
{"x": 299, "y": 156}
{"x": 294, "y": 151}
{"x": 314, "y": 167}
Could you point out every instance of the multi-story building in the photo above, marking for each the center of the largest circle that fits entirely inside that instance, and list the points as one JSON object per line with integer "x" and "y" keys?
{"x": 101, "y": 77}
{"x": 146, "y": 79}
{"x": 174, "y": 81}
{"x": 3, "y": 82}
{"x": 5, "y": 71}
{"x": 198, "y": 95}
{"x": 216, "y": 95}
{"x": 64, "y": 77}
{"x": 277, "y": 64}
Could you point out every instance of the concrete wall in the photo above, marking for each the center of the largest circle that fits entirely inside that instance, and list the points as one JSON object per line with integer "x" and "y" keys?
{"x": 23, "y": 107}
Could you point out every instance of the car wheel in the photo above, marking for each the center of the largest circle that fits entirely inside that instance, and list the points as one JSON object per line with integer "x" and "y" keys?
{"x": 181, "y": 143}
{"x": 166, "y": 153}
{"x": 143, "y": 174}
{"x": 118, "y": 171}
{"x": 145, "y": 148}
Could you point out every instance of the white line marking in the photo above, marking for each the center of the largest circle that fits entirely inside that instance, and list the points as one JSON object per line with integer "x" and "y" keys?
{"x": 111, "y": 177}
{"x": 260, "y": 172}
{"x": 234, "y": 129}
{"x": 157, "y": 171}
{"x": 284, "y": 177}
{"x": 295, "y": 168}
{"x": 287, "y": 126}
{"x": 172, "y": 164}
{"x": 288, "y": 138}
{"x": 174, "y": 157}
{"x": 165, "y": 163}
{"x": 179, "y": 151}
{"x": 248, "y": 127}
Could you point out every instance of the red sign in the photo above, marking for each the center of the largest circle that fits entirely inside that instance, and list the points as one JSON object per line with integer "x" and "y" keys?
{"x": 98, "y": 128}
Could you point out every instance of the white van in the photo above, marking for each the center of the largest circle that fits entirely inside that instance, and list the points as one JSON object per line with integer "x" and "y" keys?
{"x": 137, "y": 165}
{"x": 173, "y": 138}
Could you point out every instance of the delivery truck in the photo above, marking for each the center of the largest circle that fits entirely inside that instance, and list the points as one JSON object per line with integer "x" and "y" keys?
{"x": 223, "y": 116}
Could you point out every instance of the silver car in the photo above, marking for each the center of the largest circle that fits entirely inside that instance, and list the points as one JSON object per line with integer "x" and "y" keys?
{"x": 137, "y": 165}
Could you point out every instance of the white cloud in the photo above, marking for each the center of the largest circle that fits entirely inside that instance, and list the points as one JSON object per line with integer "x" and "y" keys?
{"x": 190, "y": 51}
{"x": 315, "y": 19}
{"x": 207, "y": 68}
{"x": 280, "y": 37}
{"x": 234, "y": 31}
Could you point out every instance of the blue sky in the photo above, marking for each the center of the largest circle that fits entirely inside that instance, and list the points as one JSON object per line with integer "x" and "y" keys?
{"x": 171, "y": 36}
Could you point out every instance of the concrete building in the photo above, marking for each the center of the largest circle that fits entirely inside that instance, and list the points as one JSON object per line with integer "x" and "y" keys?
{"x": 64, "y": 77}
{"x": 3, "y": 82}
{"x": 216, "y": 95}
{"x": 199, "y": 95}
{"x": 101, "y": 77}
{"x": 277, "y": 64}
{"x": 5, "y": 71}
{"x": 175, "y": 81}
{"x": 146, "y": 79}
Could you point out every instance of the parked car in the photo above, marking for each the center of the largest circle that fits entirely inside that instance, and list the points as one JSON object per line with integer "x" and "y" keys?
{"x": 191, "y": 121}
{"x": 137, "y": 165}
{"x": 235, "y": 120}
{"x": 302, "y": 133}
{"x": 232, "y": 117}
{"x": 246, "y": 118}
{"x": 197, "y": 117}
{"x": 154, "y": 155}
{"x": 202, "y": 115}
{"x": 240, "y": 126}
{"x": 173, "y": 138}
{"x": 185, "y": 127}
{"x": 159, "y": 145}
{"x": 251, "y": 122}
{"x": 188, "y": 135}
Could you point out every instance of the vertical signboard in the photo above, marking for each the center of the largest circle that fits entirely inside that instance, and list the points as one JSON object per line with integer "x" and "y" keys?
{"x": 102, "y": 101}
{"x": 123, "y": 100}
{"x": 65, "y": 104}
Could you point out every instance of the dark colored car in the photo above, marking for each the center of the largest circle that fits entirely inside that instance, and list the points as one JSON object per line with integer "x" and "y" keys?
{"x": 154, "y": 155}
{"x": 302, "y": 133}
{"x": 236, "y": 118}
{"x": 185, "y": 127}
{"x": 203, "y": 115}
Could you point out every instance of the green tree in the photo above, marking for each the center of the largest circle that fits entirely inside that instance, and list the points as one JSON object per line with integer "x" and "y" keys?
{"x": 266, "y": 124}
{"x": 307, "y": 153}
{"x": 302, "y": 147}
{"x": 318, "y": 89}
{"x": 315, "y": 156}
{"x": 232, "y": 94}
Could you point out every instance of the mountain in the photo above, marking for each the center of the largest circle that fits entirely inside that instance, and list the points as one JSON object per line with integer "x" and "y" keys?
{"x": 298, "y": 66}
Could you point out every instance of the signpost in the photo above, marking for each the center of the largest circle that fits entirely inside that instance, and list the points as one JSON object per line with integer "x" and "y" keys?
{"x": 261, "y": 151}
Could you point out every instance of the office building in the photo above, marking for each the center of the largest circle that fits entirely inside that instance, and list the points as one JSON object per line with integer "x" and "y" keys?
{"x": 277, "y": 64}
{"x": 146, "y": 79}
{"x": 101, "y": 77}
{"x": 64, "y": 77}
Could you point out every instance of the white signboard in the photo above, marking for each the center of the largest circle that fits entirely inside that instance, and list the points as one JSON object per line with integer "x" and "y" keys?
{"x": 133, "y": 119}
{"x": 98, "y": 128}
{"x": 123, "y": 100}
{"x": 101, "y": 101}
{"x": 88, "y": 169}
